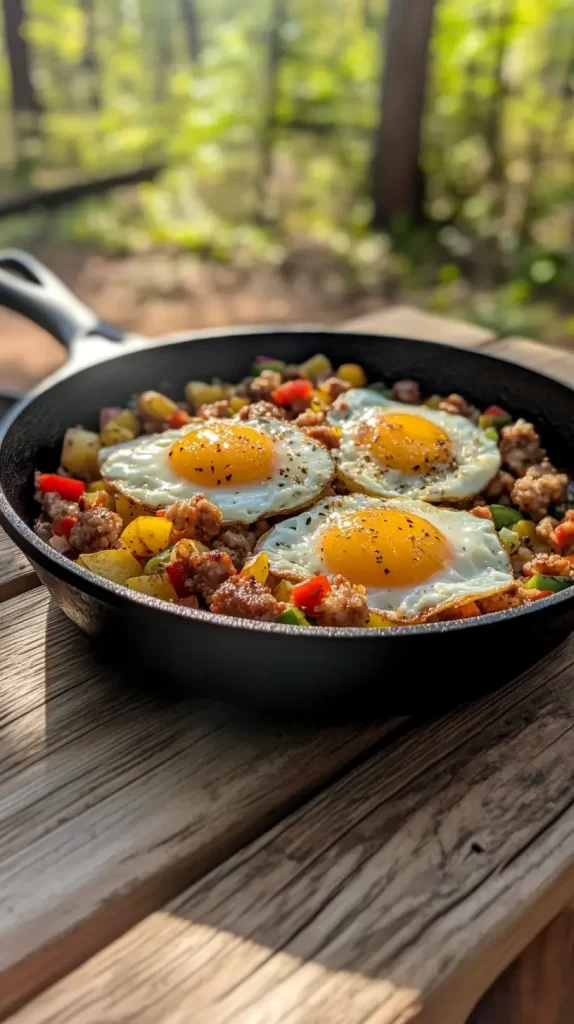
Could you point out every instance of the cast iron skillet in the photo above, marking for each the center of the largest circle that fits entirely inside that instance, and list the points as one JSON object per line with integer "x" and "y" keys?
{"x": 407, "y": 669}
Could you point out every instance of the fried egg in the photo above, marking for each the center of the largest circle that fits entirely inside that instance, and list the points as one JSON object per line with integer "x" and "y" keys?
{"x": 397, "y": 450}
{"x": 250, "y": 470}
{"x": 412, "y": 558}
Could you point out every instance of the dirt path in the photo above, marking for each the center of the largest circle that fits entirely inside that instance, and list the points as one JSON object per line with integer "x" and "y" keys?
{"x": 158, "y": 294}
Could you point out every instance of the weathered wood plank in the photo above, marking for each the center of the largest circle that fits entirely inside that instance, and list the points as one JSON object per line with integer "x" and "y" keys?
{"x": 555, "y": 361}
{"x": 16, "y": 573}
{"x": 538, "y": 988}
{"x": 111, "y": 801}
{"x": 408, "y": 322}
{"x": 399, "y": 893}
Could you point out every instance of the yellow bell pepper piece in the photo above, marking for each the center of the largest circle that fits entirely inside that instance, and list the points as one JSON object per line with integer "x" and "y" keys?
{"x": 237, "y": 402}
{"x": 317, "y": 366}
{"x": 378, "y": 621}
{"x": 117, "y": 565}
{"x": 97, "y": 485}
{"x": 525, "y": 529}
{"x": 147, "y": 536}
{"x": 199, "y": 392}
{"x": 353, "y": 374}
{"x": 257, "y": 567}
{"x": 128, "y": 508}
{"x": 283, "y": 590}
{"x": 319, "y": 400}
{"x": 156, "y": 586}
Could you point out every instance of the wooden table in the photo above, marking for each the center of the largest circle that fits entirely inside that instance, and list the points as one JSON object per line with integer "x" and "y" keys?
{"x": 179, "y": 863}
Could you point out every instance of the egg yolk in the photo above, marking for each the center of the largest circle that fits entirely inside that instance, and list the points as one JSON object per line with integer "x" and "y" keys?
{"x": 408, "y": 443}
{"x": 223, "y": 455}
{"x": 384, "y": 547}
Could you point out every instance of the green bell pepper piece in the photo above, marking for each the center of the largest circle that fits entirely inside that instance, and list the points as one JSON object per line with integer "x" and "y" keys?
{"x": 262, "y": 363}
{"x": 293, "y": 617}
{"x": 485, "y": 421}
{"x": 552, "y": 583}
{"x": 502, "y": 515}
{"x": 492, "y": 433}
{"x": 379, "y": 386}
{"x": 157, "y": 562}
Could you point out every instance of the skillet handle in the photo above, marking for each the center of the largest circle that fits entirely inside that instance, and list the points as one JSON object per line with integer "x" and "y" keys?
{"x": 29, "y": 288}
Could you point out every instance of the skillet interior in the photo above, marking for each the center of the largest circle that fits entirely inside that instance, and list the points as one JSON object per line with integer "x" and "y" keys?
{"x": 33, "y": 436}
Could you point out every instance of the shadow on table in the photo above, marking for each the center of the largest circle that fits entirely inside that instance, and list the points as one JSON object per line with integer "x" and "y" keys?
{"x": 373, "y": 867}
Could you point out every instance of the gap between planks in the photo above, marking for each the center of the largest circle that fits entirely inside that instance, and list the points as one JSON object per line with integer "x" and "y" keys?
{"x": 398, "y": 893}
{"x": 112, "y": 801}
{"x": 16, "y": 573}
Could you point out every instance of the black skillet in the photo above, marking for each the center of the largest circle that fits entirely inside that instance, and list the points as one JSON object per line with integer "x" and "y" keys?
{"x": 407, "y": 669}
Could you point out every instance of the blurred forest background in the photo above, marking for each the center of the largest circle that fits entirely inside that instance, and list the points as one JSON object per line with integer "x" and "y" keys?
{"x": 290, "y": 159}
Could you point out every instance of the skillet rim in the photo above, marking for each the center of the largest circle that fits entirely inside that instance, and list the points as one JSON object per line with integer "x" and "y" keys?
{"x": 60, "y": 566}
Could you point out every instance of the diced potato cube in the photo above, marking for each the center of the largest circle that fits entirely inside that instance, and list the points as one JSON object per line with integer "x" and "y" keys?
{"x": 199, "y": 392}
{"x": 98, "y": 498}
{"x": 157, "y": 585}
{"x": 80, "y": 453}
{"x": 123, "y": 427}
{"x": 117, "y": 565}
{"x": 236, "y": 402}
{"x": 154, "y": 406}
{"x": 378, "y": 621}
{"x": 283, "y": 591}
{"x": 97, "y": 485}
{"x": 257, "y": 567}
{"x": 433, "y": 401}
{"x": 147, "y": 536}
{"x": 128, "y": 508}
{"x": 317, "y": 366}
{"x": 353, "y": 374}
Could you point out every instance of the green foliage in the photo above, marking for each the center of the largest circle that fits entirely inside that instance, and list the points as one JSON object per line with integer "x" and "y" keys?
{"x": 261, "y": 158}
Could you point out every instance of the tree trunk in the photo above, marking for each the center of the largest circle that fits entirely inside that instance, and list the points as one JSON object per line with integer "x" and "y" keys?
{"x": 24, "y": 96}
{"x": 90, "y": 62}
{"x": 26, "y": 105}
{"x": 274, "y": 54}
{"x": 397, "y": 181}
{"x": 163, "y": 56}
{"x": 191, "y": 21}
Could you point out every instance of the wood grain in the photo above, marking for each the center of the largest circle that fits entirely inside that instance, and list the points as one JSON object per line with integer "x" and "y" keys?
{"x": 16, "y": 573}
{"x": 408, "y": 322}
{"x": 399, "y": 893}
{"x": 111, "y": 801}
{"x": 554, "y": 361}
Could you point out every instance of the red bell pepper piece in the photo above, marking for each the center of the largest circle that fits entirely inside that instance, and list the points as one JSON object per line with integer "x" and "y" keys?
{"x": 563, "y": 534}
{"x": 309, "y": 595}
{"x": 160, "y": 514}
{"x": 63, "y": 527}
{"x": 177, "y": 578}
{"x": 179, "y": 419}
{"x": 495, "y": 410}
{"x": 291, "y": 390}
{"x": 67, "y": 488}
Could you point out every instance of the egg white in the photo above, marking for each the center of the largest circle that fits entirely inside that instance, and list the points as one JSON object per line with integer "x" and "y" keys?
{"x": 476, "y": 458}
{"x": 141, "y": 469}
{"x": 479, "y": 565}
